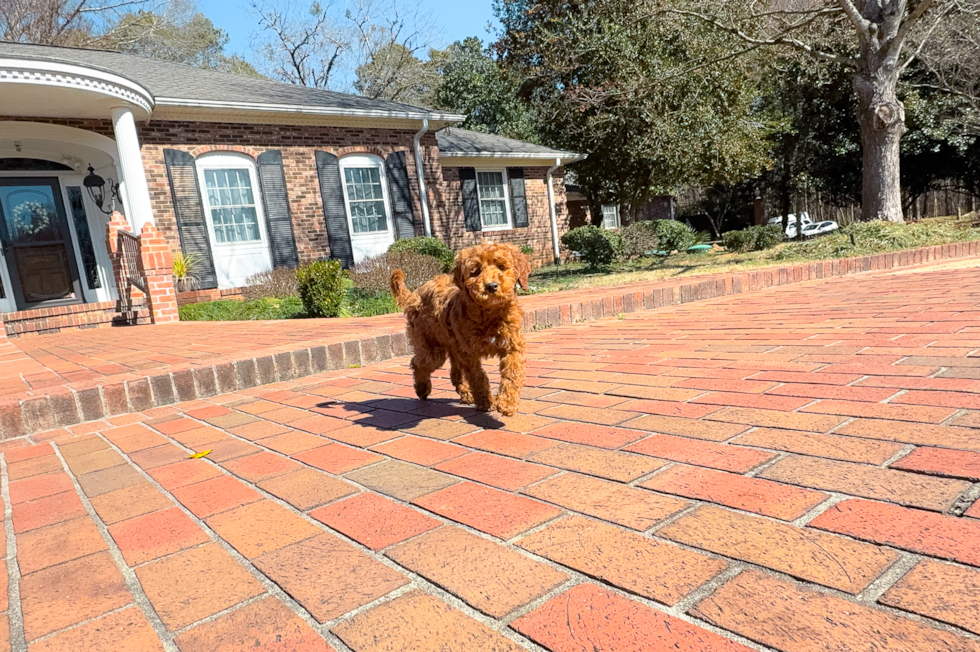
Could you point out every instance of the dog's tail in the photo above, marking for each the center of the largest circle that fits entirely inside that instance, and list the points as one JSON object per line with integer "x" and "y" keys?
{"x": 403, "y": 297}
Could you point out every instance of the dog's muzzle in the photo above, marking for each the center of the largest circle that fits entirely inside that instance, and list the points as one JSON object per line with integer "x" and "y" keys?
{"x": 491, "y": 288}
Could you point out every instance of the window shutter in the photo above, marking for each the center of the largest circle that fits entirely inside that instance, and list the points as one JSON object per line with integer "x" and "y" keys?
{"x": 518, "y": 200}
{"x": 334, "y": 211}
{"x": 272, "y": 178}
{"x": 471, "y": 199}
{"x": 192, "y": 226}
{"x": 400, "y": 192}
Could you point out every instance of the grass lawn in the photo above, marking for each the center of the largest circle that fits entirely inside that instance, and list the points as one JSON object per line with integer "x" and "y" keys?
{"x": 357, "y": 303}
{"x": 869, "y": 238}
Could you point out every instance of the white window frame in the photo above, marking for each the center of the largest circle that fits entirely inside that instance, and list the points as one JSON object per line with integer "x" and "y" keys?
{"x": 366, "y": 161}
{"x": 232, "y": 161}
{"x": 615, "y": 207}
{"x": 507, "y": 208}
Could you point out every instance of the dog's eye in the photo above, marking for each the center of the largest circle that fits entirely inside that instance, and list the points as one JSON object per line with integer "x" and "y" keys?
{"x": 475, "y": 272}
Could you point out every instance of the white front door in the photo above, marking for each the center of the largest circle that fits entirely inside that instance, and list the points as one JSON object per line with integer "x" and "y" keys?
{"x": 369, "y": 220}
{"x": 236, "y": 222}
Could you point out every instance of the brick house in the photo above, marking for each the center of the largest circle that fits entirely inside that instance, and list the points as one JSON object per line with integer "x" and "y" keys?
{"x": 242, "y": 174}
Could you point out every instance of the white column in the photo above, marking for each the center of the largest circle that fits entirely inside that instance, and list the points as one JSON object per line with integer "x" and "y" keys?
{"x": 131, "y": 163}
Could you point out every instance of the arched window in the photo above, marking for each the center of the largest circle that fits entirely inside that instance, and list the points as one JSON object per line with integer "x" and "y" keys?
{"x": 366, "y": 194}
{"x": 230, "y": 191}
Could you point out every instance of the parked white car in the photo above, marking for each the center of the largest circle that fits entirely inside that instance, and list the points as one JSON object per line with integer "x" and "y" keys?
{"x": 810, "y": 228}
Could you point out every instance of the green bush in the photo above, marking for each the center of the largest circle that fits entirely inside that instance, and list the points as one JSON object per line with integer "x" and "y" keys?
{"x": 596, "y": 246}
{"x": 639, "y": 238}
{"x": 676, "y": 236}
{"x": 321, "y": 288}
{"x": 527, "y": 250}
{"x": 428, "y": 247}
{"x": 754, "y": 238}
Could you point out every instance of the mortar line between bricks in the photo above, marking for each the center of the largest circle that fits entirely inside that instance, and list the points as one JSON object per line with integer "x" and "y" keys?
{"x": 902, "y": 452}
{"x": 755, "y": 471}
{"x": 888, "y": 578}
{"x": 15, "y": 614}
{"x": 82, "y": 623}
{"x": 832, "y": 499}
{"x": 129, "y": 575}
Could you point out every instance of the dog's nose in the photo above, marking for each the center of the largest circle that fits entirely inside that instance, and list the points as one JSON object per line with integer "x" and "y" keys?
{"x": 492, "y": 287}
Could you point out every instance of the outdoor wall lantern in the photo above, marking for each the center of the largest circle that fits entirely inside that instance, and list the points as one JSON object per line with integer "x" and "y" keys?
{"x": 96, "y": 190}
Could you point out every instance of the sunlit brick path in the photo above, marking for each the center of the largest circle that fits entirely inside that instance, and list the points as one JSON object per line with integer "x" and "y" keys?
{"x": 792, "y": 470}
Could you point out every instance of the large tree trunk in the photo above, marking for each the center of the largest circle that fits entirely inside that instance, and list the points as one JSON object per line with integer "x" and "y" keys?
{"x": 882, "y": 120}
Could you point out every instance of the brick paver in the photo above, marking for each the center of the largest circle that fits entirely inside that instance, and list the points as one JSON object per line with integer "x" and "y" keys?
{"x": 792, "y": 470}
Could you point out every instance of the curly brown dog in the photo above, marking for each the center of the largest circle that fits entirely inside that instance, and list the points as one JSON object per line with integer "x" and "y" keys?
{"x": 467, "y": 316}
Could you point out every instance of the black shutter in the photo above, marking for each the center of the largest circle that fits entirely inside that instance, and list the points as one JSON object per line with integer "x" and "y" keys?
{"x": 471, "y": 199}
{"x": 191, "y": 223}
{"x": 401, "y": 195}
{"x": 272, "y": 178}
{"x": 334, "y": 211}
{"x": 518, "y": 200}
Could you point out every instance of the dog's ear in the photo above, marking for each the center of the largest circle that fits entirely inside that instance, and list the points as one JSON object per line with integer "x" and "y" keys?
{"x": 458, "y": 275}
{"x": 522, "y": 266}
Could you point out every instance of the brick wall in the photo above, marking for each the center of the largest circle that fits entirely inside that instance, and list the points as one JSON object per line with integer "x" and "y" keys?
{"x": 450, "y": 225}
{"x": 297, "y": 144}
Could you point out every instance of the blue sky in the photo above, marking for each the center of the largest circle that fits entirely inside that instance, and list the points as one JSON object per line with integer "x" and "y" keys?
{"x": 460, "y": 18}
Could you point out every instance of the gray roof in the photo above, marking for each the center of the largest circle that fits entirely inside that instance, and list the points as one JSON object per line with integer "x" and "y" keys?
{"x": 461, "y": 142}
{"x": 175, "y": 84}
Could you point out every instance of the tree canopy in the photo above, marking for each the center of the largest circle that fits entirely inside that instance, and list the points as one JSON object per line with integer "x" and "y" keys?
{"x": 608, "y": 79}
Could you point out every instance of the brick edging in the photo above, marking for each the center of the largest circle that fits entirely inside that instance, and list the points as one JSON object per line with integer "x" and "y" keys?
{"x": 73, "y": 406}
{"x": 729, "y": 283}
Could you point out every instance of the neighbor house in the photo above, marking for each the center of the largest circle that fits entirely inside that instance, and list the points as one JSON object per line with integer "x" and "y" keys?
{"x": 241, "y": 174}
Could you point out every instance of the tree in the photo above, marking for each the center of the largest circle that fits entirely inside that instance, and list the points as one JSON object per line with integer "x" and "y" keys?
{"x": 395, "y": 73}
{"x": 82, "y": 23}
{"x": 193, "y": 40}
{"x": 473, "y": 83}
{"x": 884, "y": 37}
{"x": 323, "y": 45}
{"x": 610, "y": 79}
{"x": 171, "y": 30}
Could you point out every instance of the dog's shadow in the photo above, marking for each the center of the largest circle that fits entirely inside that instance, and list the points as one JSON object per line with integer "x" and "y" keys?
{"x": 404, "y": 413}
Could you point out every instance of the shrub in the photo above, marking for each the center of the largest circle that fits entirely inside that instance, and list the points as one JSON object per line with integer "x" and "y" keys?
{"x": 527, "y": 250}
{"x": 676, "y": 236}
{"x": 594, "y": 245}
{"x": 754, "y": 238}
{"x": 639, "y": 238}
{"x": 276, "y": 283}
{"x": 428, "y": 247}
{"x": 373, "y": 274}
{"x": 184, "y": 268}
{"x": 321, "y": 288}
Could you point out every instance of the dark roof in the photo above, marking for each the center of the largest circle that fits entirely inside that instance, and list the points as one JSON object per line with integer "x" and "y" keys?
{"x": 461, "y": 142}
{"x": 182, "y": 85}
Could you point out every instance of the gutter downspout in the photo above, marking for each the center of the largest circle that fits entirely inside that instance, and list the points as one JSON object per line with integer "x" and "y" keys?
{"x": 420, "y": 172}
{"x": 551, "y": 210}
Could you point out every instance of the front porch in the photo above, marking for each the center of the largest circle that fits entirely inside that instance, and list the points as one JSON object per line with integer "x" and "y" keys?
{"x": 61, "y": 261}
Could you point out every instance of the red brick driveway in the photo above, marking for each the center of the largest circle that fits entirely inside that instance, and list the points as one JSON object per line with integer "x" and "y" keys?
{"x": 791, "y": 470}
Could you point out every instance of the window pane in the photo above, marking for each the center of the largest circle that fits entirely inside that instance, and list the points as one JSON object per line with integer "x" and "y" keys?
{"x": 491, "y": 185}
{"x": 232, "y": 204}
{"x": 365, "y": 199}
{"x": 493, "y": 212}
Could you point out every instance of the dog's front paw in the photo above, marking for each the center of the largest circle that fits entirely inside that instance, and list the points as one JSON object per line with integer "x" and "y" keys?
{"x": 465, "y": 396}
{"x": 506, "y": 407}
{"x": 423, "y": 389}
